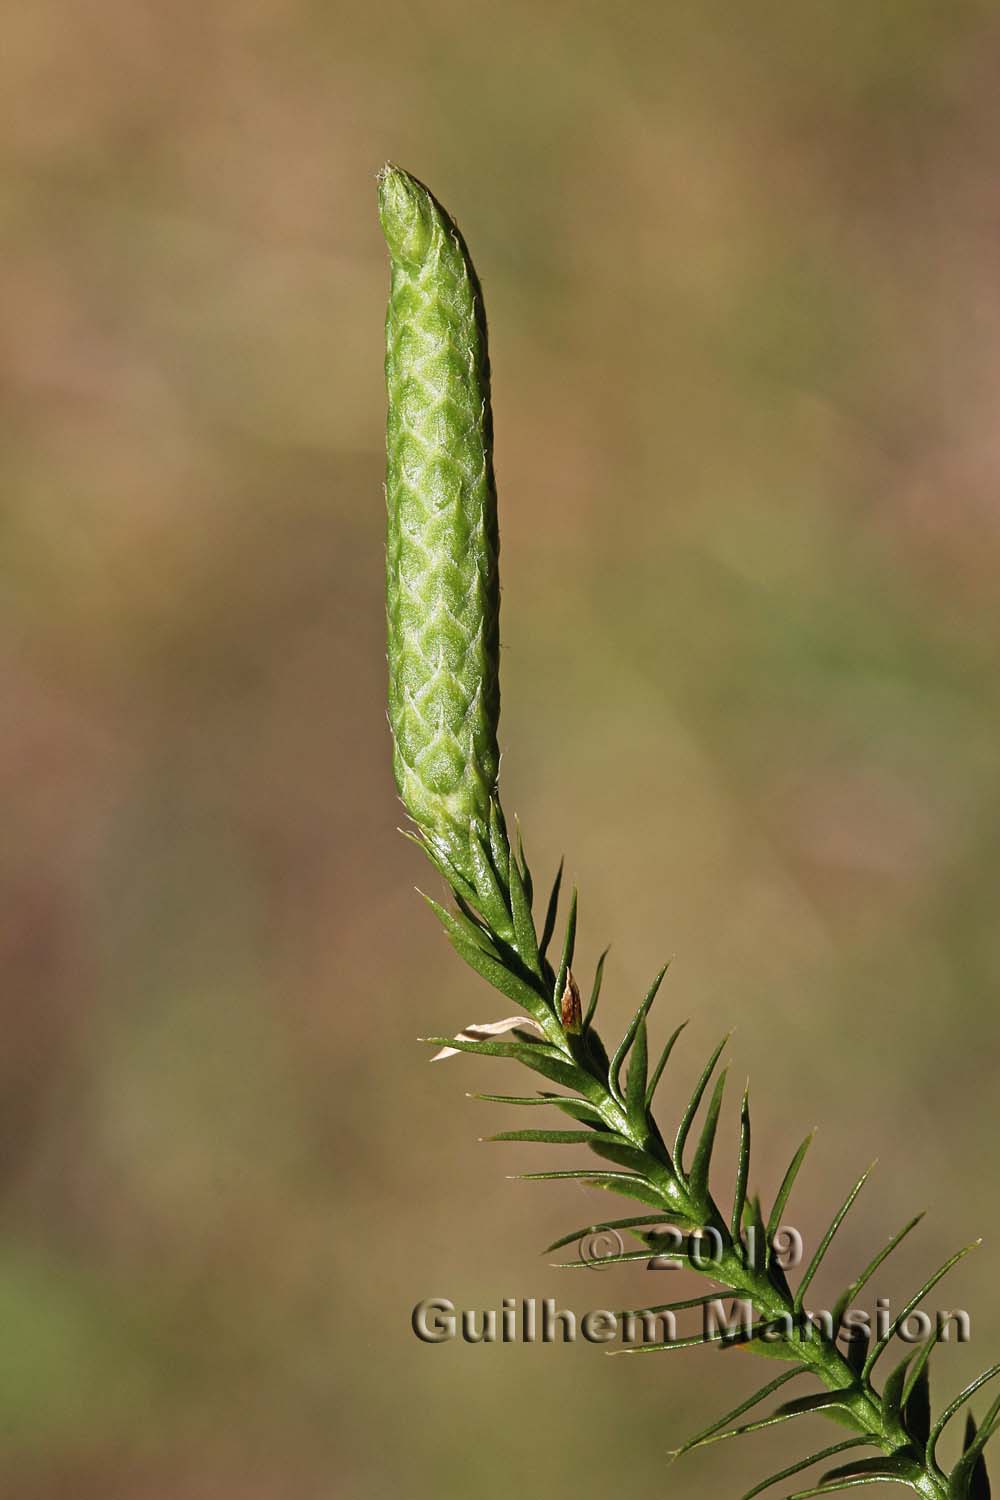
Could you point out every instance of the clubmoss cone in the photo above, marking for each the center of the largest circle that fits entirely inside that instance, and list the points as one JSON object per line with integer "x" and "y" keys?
{"x": 442, "y": 584}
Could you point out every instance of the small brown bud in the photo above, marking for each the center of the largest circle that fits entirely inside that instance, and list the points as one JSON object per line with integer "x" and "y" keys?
{"x": 570, "y": 1009}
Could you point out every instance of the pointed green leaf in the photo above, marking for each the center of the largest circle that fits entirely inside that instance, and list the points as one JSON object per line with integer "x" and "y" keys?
{"x": 490, "y": 968}
{"x": 467, "y": 906}
{"x": 825, "y": 1242}
{"x": 532, "y": 1099}
{"x": 968, "y": 1479}
{"x": 499, "y": 844}
{"x": 623, "y": 1258}
{"x": 525, "y": 940}
{"x": 687, "y": 1119}
{"x": 787, "y": 1183}
{"x": 664, "y": 1059}
{"x": 549, "y": 925}
{"x": 839, "y": 1405}
{"x": 464, "y": 923}
{"x": 707, "y": 1433}
{"x": 635, "y": 1081}
{"x": 631, "y": 1187}
{"x": 928, "y": 1286}
{"x": 544, "y": 1137}
{"x": 612, "y": 1182}
{"x": 595, "y": 993}
{"x": 778, "y": 1348}
{"x": 662, "y": 1307}
{"x": 758, "y": 1243}
{"x": 595, "y": 1051}
{"x": 956, "y": 1405}
{"x": 857, "y": 1349}
{"x": 525, "y": 872}
{"x": 461, "y": 888}
{"x": 918, "y": 1370}
{"x": 846, "y": 1484}
{"x": 621, "y": 1051}
{"x": 491, "y": 900}
{"x": 698, "y": 1177}
{"x": 599, "y": 1176}
{"x": 577, "y": 1109}
{"x": 578, "y": 1234}
{"x": 848, "y": 1296}
{"x": 917, "y": 1395}
{"x": 902, "y": 1470}
{"x": 616, "y": 1148}
{"x": 989, "y": 1424}
{"x": 804, "y": 1463}
{"x": 892, "y": 1395}
{"x": 743, "y": 1169}
{"x": 695, "y": 1342}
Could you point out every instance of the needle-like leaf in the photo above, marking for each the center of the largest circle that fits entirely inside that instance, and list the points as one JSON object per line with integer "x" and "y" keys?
{"x": 893, "y": 1468}
{"x": 687, "y": 1119}
{"x": 605, "y": 1224}
{"x": 622, "y": 1050}
{"x": 549, "y": 925}
{"x": 492, "y": 901}
{"x": 804, "y": 1463}
{"x": 968, "y": 1479}
{"x": 742, "y": 1169}
{"x": 635, "y": 1081}
{"x": 664, "y": 1059}
{"x": 956, "y": 1405}
{"x": 595, "y": 993}
{"x": 698, "y": 1177}
{"x": 525, "y": 940}
{"x": 825, "y": 1242}
{"x": 544, "y": 1137}
{"x": 880, "y": 1346}
{"x": 787, "y": 1183}
{"x": 707, "y": 1433}
{"x": 848, "y": 1296}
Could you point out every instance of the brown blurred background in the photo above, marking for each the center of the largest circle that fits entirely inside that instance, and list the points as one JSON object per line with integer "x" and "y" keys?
{"x": 742, "y": 266}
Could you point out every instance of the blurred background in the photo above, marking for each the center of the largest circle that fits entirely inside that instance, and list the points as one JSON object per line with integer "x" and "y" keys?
{"x": 741, "y": 266}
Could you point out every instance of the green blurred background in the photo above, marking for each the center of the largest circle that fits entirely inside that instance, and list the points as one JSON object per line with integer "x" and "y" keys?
{"x": 741, "y": 266}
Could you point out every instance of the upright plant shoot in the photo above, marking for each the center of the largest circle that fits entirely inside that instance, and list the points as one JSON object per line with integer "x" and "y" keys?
{"x": 442, "y": 609}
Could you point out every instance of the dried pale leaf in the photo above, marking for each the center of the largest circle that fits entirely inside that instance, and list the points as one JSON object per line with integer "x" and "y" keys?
{"x": 478, "y": 1031}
